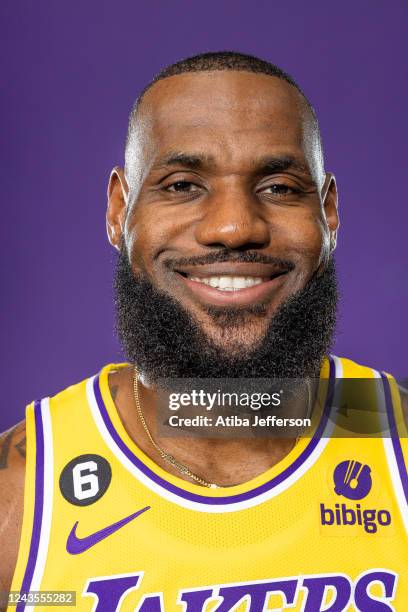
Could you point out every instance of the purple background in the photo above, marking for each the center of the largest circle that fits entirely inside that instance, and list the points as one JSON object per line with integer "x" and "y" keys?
{"x": 70, "y": 72}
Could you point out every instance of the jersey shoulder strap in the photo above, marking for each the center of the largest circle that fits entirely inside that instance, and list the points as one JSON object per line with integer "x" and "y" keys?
{"x": 56, "y": 429}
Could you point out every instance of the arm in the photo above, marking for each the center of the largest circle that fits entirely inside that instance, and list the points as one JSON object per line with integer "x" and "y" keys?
{"x": 12, "y": 469}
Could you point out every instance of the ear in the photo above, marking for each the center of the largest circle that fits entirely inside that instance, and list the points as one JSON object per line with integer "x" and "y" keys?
{"x": 117, "y": 199}
{"x": 330, "y": 205}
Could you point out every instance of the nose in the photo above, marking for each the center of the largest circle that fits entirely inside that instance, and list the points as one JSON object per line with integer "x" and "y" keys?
{"x": 233, "y": 220}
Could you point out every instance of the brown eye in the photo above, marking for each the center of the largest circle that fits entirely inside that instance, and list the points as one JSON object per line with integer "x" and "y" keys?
{"x": 182, "y": 187}
{"x": 279, "y": 189}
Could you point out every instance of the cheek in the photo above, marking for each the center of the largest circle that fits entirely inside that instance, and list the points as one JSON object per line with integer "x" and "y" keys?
{"x": 307, "y": 236}
{"x": 147, "y": 234}
{"x": 138, "y": 239}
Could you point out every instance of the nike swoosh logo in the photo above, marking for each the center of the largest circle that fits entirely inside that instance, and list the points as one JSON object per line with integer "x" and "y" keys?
{"x": 76, "y": 545}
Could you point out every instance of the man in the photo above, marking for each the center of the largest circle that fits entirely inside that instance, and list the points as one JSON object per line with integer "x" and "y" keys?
{"x": 225, "y": 222}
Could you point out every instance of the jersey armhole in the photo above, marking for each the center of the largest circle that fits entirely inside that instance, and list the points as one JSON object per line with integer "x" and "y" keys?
{"x": 399, "y": 416}
{"x": 28, "y": 503}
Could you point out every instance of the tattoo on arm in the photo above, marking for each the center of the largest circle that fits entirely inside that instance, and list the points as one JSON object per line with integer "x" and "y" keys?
{"x": 114, "y": 391}
{"x": 7, "y": 444}
{"x": 21, "y": 447}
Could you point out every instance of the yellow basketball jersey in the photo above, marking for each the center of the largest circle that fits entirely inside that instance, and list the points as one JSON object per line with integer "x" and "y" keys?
{"x": 102, "y": 520}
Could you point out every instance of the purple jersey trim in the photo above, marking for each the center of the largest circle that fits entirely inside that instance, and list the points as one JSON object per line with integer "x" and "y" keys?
{"x": 396, "y": 443}
{"x": 38, "y": 503}
{"x": 195, "y": 497}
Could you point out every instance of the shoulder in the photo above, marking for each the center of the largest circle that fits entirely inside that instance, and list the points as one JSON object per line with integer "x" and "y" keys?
{"x": 12, "y": 471}
{"x": 13, "y": 465}
{"x": 347, "y": 368}
{"x": 351, "y": 369}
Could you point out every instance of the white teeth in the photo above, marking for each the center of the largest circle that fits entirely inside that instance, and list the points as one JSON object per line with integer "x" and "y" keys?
{"x": 228, "y": 283}
{"x": 223, "y": 282}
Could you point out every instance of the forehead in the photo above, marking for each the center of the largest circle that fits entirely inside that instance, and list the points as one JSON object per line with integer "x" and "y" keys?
{"x": 225, "y": 113}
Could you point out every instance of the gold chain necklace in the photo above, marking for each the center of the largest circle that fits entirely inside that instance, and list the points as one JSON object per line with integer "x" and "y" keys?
{"x": 165, "y": 456}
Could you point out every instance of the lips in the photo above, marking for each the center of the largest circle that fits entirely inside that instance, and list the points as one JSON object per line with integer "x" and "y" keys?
{"x": 228, "y": 283}
{"x": 233, "y": 284}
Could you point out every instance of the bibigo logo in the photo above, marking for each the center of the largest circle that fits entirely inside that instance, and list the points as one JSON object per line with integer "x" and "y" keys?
{"x": 352, "y": 480}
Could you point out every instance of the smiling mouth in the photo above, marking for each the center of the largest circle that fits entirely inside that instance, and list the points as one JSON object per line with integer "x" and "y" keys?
{"x": 229, "y": 283}
{"x": 233, "y": 288}
{"x": 233, "y": 283}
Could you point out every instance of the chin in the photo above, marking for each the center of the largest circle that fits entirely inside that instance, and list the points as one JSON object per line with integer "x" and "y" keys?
{"x": 233, "y": 339}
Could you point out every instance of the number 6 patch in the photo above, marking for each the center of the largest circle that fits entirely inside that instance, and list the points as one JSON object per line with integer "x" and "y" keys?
{"x": 85, "y": 479}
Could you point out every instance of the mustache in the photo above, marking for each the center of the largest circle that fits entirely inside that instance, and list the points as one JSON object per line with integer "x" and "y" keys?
{"x": 231, "y": 256}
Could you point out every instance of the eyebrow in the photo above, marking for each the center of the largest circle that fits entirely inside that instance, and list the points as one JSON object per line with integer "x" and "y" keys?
{"x": 269, "y": 165}
{"x": 263, "y": 166}
{"x": 189, "y": 160}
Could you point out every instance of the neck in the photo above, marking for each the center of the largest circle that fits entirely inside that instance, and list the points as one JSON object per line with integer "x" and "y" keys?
{"x": 224, "y": 462}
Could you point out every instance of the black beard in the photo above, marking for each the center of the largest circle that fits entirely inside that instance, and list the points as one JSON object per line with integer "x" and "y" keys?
{"x": 162, "y": 339}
